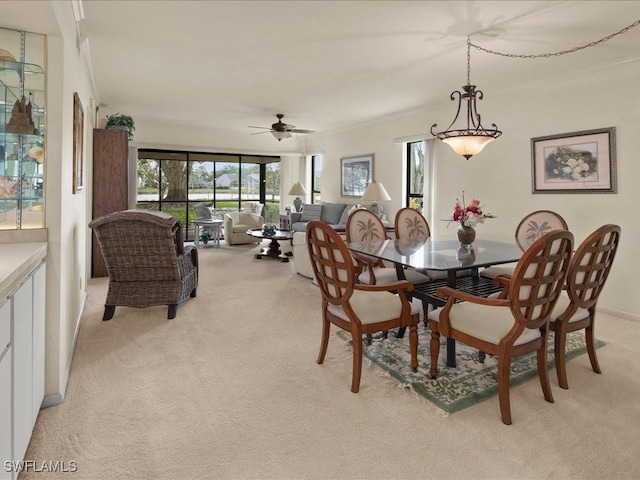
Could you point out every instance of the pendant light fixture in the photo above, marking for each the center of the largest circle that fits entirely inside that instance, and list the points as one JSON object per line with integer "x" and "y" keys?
{"x": 472, "y": 139}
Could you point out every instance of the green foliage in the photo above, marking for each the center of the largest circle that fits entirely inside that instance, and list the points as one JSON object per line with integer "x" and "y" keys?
{"x": 123, "y": 121}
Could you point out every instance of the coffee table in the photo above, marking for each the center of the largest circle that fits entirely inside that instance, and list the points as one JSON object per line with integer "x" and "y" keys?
{"x": 273, "y": 250}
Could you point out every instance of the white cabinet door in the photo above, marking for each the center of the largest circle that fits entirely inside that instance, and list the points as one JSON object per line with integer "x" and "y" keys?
{"x": 22, "y": 368}
{"x": 39, "y": 296}
{"x": 5, "y": 392}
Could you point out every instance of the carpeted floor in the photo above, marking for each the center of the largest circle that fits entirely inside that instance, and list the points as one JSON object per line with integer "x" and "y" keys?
{"x": 464, "y": 386}
{"x": 230, "y": 389}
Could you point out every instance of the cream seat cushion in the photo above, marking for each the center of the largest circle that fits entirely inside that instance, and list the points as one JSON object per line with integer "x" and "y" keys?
{"x": 385, "y": 275}
{"x": 497, "y": 270}
{"x": 561, "y": 306}
{"x": 488, "y": 323}
{"x": 372, "y": 307}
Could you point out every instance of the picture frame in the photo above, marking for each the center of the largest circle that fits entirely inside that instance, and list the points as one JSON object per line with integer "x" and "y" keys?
{"x": 78, "y": 144}
{"x": 355, "y": 174}
{"x": 576, "y": 162}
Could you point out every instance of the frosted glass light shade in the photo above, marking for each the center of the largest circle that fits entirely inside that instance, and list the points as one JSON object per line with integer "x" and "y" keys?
{"x": 468, "y": 145}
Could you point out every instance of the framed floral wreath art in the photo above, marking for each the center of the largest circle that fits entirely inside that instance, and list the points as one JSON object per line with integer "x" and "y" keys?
{"x": 578, "y": 162}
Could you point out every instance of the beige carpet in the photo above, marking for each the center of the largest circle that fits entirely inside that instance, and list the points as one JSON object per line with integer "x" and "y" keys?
{"x": 230, "y": 390}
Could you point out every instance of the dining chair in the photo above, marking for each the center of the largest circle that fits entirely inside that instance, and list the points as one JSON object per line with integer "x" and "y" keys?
{"x": 511, "y": 326}
{"x": 530, "y": 228}
{"x": 411, "y": 224}
{"x": 355, "y": 307}
{"x": 576, "y": 308}
{"x": 366, "y": 227}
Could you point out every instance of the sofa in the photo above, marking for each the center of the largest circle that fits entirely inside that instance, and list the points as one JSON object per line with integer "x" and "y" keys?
{"x": 335, "y": 214}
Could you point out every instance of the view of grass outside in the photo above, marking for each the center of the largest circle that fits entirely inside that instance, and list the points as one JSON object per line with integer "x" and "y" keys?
{"x": 175, "y": 184}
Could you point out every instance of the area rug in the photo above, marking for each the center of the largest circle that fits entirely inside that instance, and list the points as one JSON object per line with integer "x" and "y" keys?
{"x": 471, "y": 382}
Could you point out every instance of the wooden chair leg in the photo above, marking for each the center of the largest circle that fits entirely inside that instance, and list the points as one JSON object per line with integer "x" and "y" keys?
{"x": 171, "y": 312}
{"x": 559, "y": 345}
{"x": 413, "y": 346}
{"x": 591, "y": 348}
{"x": 543, "y": 373}
{"x": 504, "y": 365}
{"x": 109, "y": 310}
{"x": 325, "y": 341}
{"x": 357, "y": 363}
{"x": 434, "y": 346}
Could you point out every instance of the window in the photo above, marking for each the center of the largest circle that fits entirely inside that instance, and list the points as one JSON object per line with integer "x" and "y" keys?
{"x": 416, "y": 166}
{"x": 173, "y": 182}
{"x": 316, "y": 178}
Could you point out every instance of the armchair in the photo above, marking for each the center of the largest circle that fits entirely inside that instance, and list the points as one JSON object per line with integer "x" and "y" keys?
{"x": 356, "y": 308}
{"x": 236, "y": 225}
{"x": 514, "y": 324}
{"x": 146, "y": 260}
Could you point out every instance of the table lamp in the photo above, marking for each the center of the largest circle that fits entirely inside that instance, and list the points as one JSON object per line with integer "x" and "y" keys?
{"x": 297, "y": 190}
{"x": 375, "y": 192}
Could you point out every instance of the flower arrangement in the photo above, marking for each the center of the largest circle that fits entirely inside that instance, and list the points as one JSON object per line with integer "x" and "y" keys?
{"x": 269, "y": 229}
{"x": 469, "y": 215}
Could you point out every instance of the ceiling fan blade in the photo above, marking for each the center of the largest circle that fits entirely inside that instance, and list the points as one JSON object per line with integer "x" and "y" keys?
{"x": 302, "y": 131}
{"x": 251, "y": 126}
{"x": 258, "y": 133}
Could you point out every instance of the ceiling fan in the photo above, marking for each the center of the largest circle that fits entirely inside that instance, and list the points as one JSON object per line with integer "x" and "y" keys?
{"x": 281, "y": 130}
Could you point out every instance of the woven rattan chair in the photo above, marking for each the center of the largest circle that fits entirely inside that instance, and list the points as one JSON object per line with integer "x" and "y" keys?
{"x": 146, "y": 259}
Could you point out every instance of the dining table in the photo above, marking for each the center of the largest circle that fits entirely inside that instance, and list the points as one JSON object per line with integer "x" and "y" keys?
{"x": 447, "y": 263}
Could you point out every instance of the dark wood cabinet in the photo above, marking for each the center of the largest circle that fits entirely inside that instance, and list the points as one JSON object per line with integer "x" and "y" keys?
{"x": 110, "y": 182}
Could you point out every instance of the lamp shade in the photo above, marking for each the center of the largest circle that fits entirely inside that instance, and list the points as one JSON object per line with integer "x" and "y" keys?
{"x": 297, "y": 189}
{"x": 375, "y": 192}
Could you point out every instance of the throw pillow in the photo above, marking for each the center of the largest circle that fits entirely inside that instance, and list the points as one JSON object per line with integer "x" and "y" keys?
{"x": 345, "y": 215}
{"x": 311, "y": 212}
{"x": 331, "y": 212}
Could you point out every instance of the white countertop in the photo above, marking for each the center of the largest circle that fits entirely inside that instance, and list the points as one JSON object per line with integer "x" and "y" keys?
{"x": 17, "y": 261}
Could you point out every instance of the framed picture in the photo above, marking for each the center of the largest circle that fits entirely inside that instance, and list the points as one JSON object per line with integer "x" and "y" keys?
{"x": 78, "y": 140}
{"x": 356, "y": 174}
{"x": 578, "y": 162}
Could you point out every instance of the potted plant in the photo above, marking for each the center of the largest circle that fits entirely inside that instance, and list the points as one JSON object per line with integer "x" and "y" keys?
{"x": 121, "y": 122}
{"x": 205, "y": 236}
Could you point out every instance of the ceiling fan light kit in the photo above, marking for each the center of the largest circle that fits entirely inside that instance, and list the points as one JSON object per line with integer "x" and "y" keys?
{"x": 281, "y": 130}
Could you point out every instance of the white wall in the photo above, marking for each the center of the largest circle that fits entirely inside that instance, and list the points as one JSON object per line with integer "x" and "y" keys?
{"x": 65, "y": 212}
{"x": 500, "y": 176}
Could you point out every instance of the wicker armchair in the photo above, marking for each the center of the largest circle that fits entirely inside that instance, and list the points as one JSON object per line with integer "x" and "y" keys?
{"x": 146, "y": 259}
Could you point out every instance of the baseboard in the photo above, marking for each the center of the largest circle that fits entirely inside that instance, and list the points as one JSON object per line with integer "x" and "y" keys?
{"x": 618, "y": 313}
{"x": 58, "y": 398}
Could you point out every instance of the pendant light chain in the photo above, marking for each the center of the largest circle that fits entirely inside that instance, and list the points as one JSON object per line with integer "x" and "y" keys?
{"x": 555, "y": 54}
{"x": 468, "y": 61}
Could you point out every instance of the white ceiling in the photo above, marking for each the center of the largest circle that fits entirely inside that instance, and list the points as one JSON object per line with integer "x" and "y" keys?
{"x": 332, "y": 64}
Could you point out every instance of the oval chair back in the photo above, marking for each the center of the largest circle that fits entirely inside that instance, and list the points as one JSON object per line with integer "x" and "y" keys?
{"x": 410, "y": 224}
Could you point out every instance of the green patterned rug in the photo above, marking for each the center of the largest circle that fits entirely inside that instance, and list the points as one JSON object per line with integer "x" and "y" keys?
{"x": 466, "y": 385}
